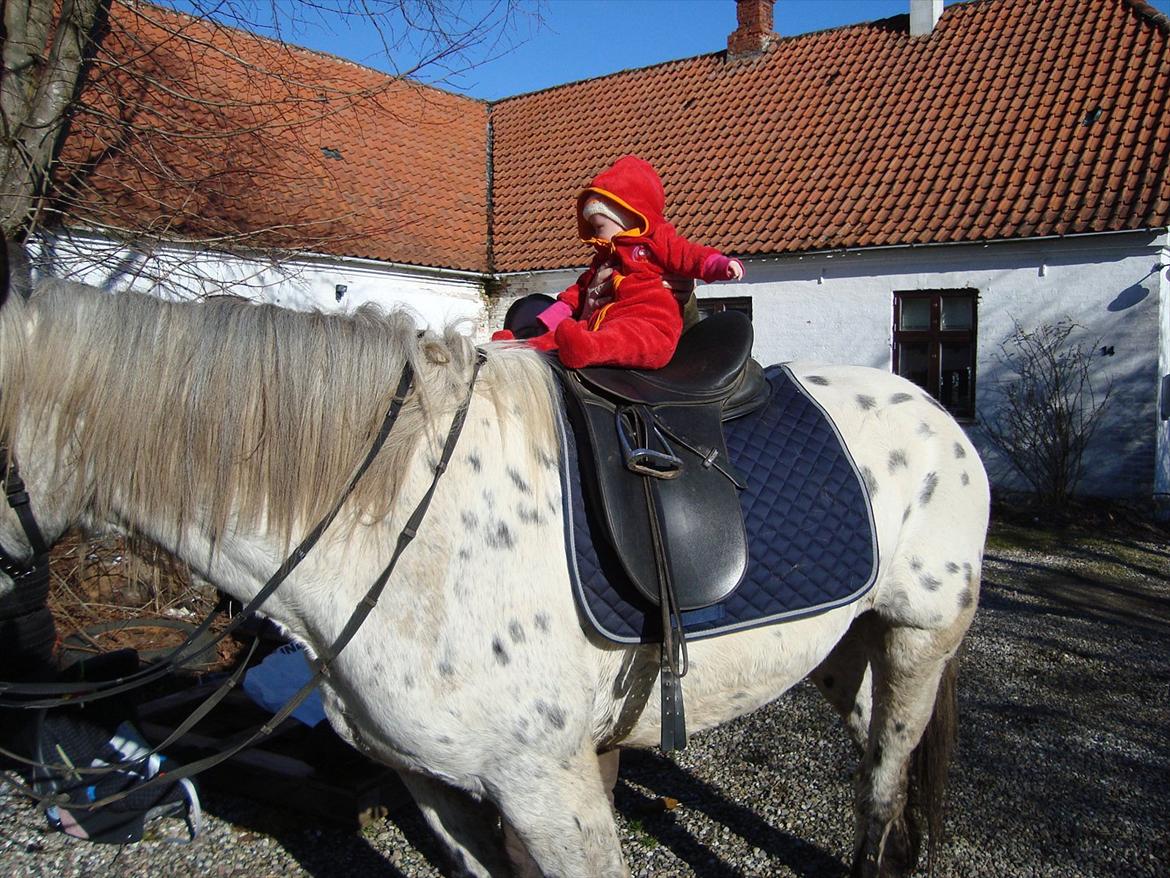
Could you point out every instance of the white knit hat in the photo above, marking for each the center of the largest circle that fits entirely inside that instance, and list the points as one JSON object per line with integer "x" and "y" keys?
{"x": 595, "y": 205}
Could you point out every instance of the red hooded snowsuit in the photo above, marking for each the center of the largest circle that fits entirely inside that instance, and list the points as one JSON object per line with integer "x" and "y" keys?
{"x": 640, "y": 328}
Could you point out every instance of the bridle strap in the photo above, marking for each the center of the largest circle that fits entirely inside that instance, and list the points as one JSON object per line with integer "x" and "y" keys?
{"x": 17, "y": 495}
{"x": 73, "y": 693}
{"x": 323, "y": 663}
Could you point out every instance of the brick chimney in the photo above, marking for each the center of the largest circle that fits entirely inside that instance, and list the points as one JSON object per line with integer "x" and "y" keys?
{"x": 924, "y": 15}
{"x": 754, "y": 32}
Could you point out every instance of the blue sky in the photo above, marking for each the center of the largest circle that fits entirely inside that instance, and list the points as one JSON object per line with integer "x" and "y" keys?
{"x": 576, "y": 39}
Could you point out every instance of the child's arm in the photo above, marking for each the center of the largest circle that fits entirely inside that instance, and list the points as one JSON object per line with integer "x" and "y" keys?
{"x": 680, "y": 256}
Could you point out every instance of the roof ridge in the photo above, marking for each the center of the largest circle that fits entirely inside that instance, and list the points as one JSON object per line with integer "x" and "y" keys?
{"x": 721, "y": 53}
{"x": 1147, "y": 11}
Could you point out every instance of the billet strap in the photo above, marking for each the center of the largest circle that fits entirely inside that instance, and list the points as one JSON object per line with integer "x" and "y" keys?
{"x": 673, "y": 657}
{"x": 323, "y": 663}
{"x": 72, "y": 693}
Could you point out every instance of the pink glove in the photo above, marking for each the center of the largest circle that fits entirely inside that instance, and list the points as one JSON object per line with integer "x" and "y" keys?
{"x": 554, "y": 314}
{"x": 720, "y": 267}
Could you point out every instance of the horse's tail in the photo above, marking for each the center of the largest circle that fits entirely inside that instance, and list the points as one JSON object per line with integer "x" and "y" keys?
{"x": 932, "y": 758}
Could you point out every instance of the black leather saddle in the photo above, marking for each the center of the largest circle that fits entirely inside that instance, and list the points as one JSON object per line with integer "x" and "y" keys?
{"x": 658, "y": 477}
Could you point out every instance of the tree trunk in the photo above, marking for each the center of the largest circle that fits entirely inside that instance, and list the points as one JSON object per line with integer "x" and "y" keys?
{"x": 43, "y": 63}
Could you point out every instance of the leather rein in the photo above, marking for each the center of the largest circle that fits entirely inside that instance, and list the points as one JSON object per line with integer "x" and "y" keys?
{"x": 36, "y": 695}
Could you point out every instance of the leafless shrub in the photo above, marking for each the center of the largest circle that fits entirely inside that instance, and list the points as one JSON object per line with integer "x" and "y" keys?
{"x": 1049, "y": 412}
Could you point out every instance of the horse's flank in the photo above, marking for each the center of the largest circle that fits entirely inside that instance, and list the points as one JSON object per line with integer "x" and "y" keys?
{"x": 241, "y": 413}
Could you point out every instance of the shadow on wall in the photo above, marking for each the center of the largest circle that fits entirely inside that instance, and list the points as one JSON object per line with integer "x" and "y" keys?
{"x": 1119, "y": 458}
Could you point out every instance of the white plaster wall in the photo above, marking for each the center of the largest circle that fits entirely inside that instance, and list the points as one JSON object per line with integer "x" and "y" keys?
{"x": 306, "y": 282}
{"x": 839, "y": 308}
{"x": 1162, "y": 412}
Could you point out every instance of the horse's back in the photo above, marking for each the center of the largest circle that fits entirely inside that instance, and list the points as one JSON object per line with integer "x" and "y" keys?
{"x": 926, "y": 483}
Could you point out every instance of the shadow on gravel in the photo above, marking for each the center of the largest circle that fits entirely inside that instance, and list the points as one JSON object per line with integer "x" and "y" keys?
{"x": 323, "y": 851}
{"x": 1077, "y": 596}
{"x": 656, "y": 772}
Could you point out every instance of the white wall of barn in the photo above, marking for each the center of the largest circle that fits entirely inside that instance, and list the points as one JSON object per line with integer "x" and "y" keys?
{"x": 839, "y": 308}
{"x": 303, "y": 282}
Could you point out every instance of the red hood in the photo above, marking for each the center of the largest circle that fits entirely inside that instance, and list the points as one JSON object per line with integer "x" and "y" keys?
{"x": 632, "y": 183}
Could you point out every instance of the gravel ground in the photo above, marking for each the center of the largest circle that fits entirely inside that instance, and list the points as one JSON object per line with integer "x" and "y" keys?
{"x": 1063, "y": 767}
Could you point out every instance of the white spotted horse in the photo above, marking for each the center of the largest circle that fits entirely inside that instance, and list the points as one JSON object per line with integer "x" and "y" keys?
{"x": 224, "y": 430}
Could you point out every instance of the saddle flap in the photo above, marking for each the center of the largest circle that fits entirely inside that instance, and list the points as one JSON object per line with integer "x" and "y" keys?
{"x": 698, "y": 513}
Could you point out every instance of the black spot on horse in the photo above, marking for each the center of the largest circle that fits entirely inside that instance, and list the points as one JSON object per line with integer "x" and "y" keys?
{"x": 929, "y": 582}
{"x": 899, "y": 727}
{"x": 897, "y": 459}
{"x": 499, "y": 536}
{"x": 499, "y": 652}
{"x": 899, "y": 398}
{"x": 819, "y": 380}
{"x": 966, "y": 598}
{"x": 960, "y": 451}
{"x": 925, "y": 430}
{"x": 543, "y": 623}
{"x": 554, "y": 715}
{"x": 529, "y": 515}
{"x": 952, "y": 567}
{"x": 516, "y": 631}
{"x": 929, "y": 484}
{"x": 865, "y": 402}
{"x": 470, "y": 519}
{"x": 965, "y": 479}
{"x": 476, "y": 463}
{"x": 518, "y": 480}
{"x": 906, "y": 514}
{"x": 857, "y": 711}
{"x": 870, "y": 480}
{"x": 915, "y": 563}
{"x": 408, "y": 682}
{"x": 446, "y": 669}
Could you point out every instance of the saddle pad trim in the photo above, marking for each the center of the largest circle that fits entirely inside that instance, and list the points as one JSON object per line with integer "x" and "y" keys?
{"x": 568, "y": 465}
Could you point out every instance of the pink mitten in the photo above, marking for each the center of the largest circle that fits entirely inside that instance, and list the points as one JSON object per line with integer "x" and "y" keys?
{"x": 552, "y": 316}
{"x": 720, "y": 267}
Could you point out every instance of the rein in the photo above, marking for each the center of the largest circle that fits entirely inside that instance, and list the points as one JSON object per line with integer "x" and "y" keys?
{"x": 322, "y": 664}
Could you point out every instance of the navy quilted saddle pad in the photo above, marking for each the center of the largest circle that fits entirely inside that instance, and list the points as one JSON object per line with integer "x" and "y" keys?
{"x": 811, "y": 537}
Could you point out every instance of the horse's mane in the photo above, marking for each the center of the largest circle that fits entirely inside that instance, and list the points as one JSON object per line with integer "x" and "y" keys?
{"x": 239, "y": 413}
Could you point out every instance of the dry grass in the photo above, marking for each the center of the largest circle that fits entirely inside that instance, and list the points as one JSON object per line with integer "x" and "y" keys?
{"x": 96, "y": 583}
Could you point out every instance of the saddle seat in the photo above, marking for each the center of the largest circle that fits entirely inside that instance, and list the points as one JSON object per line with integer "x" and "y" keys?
{"x": 711, "y": 364}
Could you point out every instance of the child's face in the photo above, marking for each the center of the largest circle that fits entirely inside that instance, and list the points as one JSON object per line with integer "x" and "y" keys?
{"x": 603, "y": 227}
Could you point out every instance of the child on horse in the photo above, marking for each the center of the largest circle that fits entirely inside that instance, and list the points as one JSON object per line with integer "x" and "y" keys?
{"x": 621, "y": 312}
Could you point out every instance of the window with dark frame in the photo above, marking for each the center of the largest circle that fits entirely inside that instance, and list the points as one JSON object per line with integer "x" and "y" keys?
{"x": 743, "y": 304}
{"x": 934, "y": 345}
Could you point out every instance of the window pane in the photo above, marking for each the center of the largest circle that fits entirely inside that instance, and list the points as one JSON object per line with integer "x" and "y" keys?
{"x": 914, "y": 362}
{"x": 957, "y": 390}
{"x": 915, "y": 314}
{"x": 956, "y": 312}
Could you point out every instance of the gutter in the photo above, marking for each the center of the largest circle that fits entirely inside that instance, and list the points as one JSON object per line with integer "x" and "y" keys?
{"x": 845, "y": 251}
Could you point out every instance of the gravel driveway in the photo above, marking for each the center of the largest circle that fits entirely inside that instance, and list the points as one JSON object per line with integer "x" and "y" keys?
{"x": 1063, "y": 768}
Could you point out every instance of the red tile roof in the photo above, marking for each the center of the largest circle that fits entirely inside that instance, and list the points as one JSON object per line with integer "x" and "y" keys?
{"x": 200, "y": 131}
{"x": 1014, "y": 119}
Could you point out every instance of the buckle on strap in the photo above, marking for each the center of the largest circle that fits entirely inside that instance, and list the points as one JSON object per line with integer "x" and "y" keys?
{"x": 637, "y": 455}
